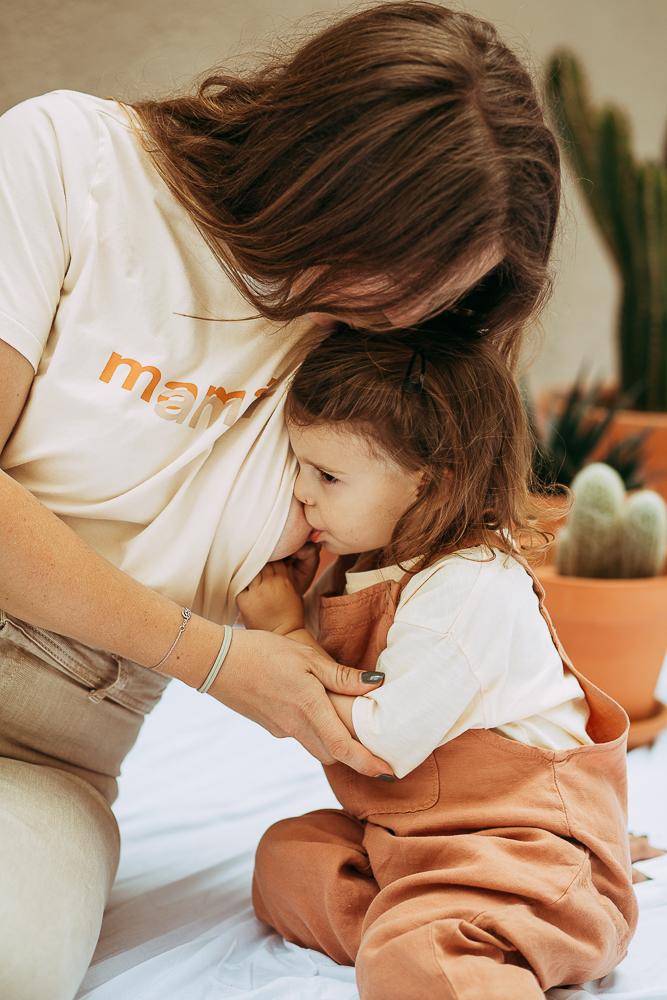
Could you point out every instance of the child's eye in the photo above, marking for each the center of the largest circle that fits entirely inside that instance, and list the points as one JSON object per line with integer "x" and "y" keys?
{"x": 327, "y": 477}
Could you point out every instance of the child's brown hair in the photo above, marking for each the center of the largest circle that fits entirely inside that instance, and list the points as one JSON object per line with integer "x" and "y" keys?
{"x": 443, "y": 400}
{"x": 401, "y": 143}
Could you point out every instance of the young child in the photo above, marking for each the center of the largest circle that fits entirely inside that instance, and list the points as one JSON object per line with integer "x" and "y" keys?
{"x": 496, "y": 864}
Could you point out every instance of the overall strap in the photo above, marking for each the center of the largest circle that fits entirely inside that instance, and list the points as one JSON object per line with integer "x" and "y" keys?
{"x": 540, "y": 592}
{"x": 609, "y": 720}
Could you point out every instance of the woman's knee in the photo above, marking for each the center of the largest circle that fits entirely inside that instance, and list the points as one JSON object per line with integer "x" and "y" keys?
{"x": 59, "y": 846}
{"x": 26, "y": 976}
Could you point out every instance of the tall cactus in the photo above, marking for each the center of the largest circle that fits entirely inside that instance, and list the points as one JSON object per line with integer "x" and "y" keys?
{"x": 628, "y": 200}
{"x": 643, "y": 535}
{"x": 608, "y": 536}
{"x": 588, "y": 545}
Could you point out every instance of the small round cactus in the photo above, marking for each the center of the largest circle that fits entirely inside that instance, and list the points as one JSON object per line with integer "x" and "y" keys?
{"x": 609, "y": 536}
{"x": 643, "y": 535}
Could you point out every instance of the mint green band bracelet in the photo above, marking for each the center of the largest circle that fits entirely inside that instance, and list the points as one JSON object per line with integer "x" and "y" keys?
{"x": 219, "y": 660}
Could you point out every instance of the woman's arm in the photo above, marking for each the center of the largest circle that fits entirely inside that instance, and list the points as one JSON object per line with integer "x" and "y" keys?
{"x": 272, "y": 602}
{"x": 342, "y": 703}
{"x": 51, "y": 578}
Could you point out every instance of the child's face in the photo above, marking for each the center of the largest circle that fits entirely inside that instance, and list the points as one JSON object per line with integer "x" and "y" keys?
{"x": 352, "y": 498}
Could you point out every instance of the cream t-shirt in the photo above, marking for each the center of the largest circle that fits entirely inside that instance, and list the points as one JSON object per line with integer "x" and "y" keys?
{"x": 468, "y": 649}
{"x": 158, "y": 437}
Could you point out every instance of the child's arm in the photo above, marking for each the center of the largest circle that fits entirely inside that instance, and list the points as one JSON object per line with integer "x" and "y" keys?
{"x": 271, "y": 602}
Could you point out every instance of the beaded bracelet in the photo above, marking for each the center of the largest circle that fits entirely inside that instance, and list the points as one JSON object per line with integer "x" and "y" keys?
{"x": 219, "y": 660}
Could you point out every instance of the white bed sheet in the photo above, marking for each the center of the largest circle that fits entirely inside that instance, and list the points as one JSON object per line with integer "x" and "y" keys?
{"x": 197, "y": 791}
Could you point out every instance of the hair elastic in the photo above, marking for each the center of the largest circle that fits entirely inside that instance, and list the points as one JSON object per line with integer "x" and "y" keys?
{"x": 415, "y": 380}
{"x": 219, "y": 660}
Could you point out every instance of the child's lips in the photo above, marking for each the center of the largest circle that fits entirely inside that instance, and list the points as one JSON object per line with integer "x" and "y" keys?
{"x": 314, "y": 535}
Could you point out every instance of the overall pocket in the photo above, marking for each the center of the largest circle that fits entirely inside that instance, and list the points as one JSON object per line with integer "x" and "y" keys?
{"x": 365, "y": 797}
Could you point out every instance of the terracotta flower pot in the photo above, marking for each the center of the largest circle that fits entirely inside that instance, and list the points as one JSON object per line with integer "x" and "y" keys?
{"x": 629, "y": 422}
{"x": 615, "y": 632}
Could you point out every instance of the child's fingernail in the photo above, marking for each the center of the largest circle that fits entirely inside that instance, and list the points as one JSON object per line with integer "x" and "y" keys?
{"x": 386, "y": 777}
{"x": 368, "y": 677}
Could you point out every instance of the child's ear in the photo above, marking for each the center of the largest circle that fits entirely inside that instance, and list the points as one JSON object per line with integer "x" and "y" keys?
{"x": 426, "y": 478}
{"x": 422, "y": 482}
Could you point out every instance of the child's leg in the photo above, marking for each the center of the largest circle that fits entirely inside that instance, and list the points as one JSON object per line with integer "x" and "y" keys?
{"x": 424, "y": 940}
{"x": 313, "y": 882}
{"x": 423, "y": 935}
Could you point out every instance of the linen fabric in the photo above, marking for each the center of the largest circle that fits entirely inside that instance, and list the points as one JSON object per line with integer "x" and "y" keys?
{"x": 467, "y": 649}
{"x": 69, "y": 714}
{"x": 494, "y": 869}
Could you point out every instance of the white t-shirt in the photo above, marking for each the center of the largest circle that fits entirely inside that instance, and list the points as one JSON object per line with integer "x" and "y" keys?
{"x": 468, "y": 649}
{"x": 157, "y": 437}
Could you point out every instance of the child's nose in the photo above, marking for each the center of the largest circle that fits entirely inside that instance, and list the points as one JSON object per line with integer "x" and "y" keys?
{"x": 300, "y": 493}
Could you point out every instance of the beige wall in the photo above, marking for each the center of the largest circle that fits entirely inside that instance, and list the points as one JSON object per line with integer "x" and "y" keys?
{"x": 128, "y": 48}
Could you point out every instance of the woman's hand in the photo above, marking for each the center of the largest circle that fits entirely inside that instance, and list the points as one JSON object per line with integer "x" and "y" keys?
{"x": 280, "y": 684}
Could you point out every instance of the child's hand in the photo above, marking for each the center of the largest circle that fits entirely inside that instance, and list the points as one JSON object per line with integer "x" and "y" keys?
{"x": 302, "y": 566}
{"x": 271, "y": 602}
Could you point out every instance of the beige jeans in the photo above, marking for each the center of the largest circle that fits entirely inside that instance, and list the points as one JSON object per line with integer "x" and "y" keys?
{"x": 68, "y": 716}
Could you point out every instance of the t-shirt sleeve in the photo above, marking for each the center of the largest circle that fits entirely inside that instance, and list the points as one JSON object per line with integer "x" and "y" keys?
{"x": 45, "y": 169}
{"x": 432, "y": 692}
{"x": 431, "y": 698}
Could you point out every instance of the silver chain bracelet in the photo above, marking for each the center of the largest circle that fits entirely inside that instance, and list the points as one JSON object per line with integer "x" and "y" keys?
{"x": 187, "y": 615}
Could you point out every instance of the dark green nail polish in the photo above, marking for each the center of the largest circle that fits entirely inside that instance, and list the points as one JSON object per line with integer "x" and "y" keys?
{"x": 368, "y": 677}
{"x": 386, "y": 777}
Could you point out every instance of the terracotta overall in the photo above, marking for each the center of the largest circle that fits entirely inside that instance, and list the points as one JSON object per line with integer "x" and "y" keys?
{"x": 493, "y": 871}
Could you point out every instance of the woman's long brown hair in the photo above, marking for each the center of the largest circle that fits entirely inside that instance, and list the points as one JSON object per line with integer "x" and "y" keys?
{"x": 443, "y": 401}
{"x": 400, "y": 143}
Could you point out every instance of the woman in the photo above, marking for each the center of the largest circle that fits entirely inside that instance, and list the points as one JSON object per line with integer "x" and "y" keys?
{"x": 164, "y": 266}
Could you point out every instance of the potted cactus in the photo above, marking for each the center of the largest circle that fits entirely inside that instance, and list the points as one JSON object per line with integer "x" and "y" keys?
{"x": 567, "y": 429}
{"x": 566, "y": 435}
{"x": 607, "y": 592}
{"x": 628, "y": 202}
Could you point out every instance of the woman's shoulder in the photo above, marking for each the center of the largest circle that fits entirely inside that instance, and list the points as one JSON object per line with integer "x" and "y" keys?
{"x": 58, "y": 109}
{"x": 60, "y": 130}
{"x": 51, "y": 147}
